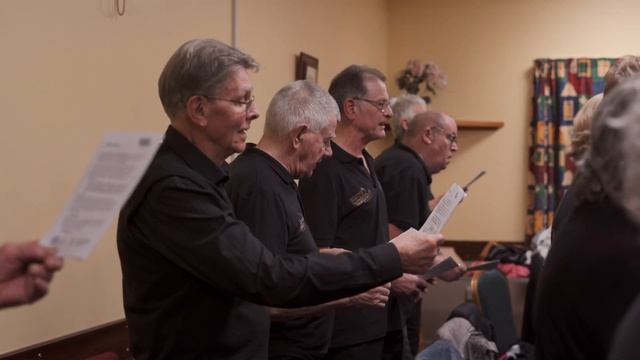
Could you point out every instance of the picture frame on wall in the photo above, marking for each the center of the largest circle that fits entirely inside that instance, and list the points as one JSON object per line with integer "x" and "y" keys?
{"x": 307, "y": 68}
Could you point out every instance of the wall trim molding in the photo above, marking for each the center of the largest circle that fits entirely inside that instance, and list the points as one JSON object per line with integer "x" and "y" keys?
{"x": 106, "y": 341}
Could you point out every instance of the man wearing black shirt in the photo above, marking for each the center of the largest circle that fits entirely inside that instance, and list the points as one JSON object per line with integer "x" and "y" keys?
{"x": 299, "y": 126}
{"x": 345, "y": 206}
{"x": 189, "y": 267}
{"x": 425, "y": 143}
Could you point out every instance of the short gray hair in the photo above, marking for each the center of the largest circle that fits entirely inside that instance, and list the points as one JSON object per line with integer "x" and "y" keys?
{"x": 299, "y": 103}
{"x": 402, "y": 107}
{"x": 198, "y": 67}
{"x": 606, "y": 169}
{"x": 349, "y": 83}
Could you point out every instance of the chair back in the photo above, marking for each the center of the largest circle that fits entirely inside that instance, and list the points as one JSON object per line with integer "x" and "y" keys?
{"x": 491, "y": 293}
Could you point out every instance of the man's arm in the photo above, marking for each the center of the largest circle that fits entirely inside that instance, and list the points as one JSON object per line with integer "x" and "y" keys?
{"x": 378, "y": 296}
{"x": 192, "y": 228}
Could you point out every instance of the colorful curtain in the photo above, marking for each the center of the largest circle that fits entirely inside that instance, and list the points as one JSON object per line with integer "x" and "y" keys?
{"x": 561, "y": 87}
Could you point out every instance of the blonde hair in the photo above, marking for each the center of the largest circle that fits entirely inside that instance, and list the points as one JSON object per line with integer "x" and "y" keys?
{"x": 582, "y": 126}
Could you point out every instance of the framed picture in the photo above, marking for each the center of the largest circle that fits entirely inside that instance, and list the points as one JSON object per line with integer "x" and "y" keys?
{"x": 307, "y": 68}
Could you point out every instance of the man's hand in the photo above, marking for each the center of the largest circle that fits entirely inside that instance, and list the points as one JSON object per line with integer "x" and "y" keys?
{"x": 377, "y": 296}
{"x": 409, "y": 285}
{"x": 417, "y": 250}
{"x": 25, "y": 272}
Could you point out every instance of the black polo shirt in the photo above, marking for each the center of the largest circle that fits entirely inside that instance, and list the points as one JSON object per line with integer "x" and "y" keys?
{"x": 265, "y": 197}
{"x": 191, "y": 272}
{"x": 345, "y": 208}
{"x": 407, "y": 186}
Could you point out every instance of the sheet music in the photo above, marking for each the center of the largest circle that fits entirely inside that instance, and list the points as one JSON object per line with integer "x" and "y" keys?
{"x": 443, "y": 210}
{"x": 441, "y": 267}
{"x": 115, "y": 170}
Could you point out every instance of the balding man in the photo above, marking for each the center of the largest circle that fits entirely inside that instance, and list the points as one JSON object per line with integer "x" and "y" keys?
{"x": 424, "y": 147}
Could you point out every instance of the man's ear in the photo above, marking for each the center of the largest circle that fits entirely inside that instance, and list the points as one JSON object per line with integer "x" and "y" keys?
{"x": 427, "y": 135}
{"x": 296, "y": 135}
{"x": 404, "y": 124}
{"x": 196, "y": 109}
{"x": 349, "y": 108}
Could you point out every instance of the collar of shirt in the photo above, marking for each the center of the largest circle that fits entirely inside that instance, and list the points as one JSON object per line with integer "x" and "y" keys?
{"x": 343, "y": 156}
{"x": 418, "y": 158}
{"x": 194, "y": 157}
{"x": 274, "y": 164}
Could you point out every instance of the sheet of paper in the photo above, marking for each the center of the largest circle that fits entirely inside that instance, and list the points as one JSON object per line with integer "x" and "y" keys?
{"x": 487, "y": 265}
{"x": 115, "y": 170}
{"x": 442, "y": 212}
{"x": 439, "y": 268}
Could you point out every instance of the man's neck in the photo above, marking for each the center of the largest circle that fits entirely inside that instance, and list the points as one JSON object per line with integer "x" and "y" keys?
{"x": 420, "y": 148}
{"x": 276, "y": 150}
{"x": 195, "y": 136}
{"x": 350, "y": 140}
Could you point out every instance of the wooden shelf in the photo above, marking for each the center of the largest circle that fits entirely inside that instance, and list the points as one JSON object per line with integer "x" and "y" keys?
{"x": 479, "y": 124}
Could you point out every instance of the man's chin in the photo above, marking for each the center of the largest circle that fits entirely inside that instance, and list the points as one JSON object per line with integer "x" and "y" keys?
{"x": 239, "y": 147}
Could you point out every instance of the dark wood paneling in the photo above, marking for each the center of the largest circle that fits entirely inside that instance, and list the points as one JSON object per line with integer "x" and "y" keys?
{"x": 107, "y": 341}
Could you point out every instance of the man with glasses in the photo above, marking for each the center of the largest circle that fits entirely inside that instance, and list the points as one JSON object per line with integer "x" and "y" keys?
{"x": 300, "y": 123}
{"x": 192, "y": 273}
{"x": 425, "y": 143}
{"x": 345, "y": 206}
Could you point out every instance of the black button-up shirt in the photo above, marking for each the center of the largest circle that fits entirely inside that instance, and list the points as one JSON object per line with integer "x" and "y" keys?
{"x": 345, "y": 208}
{"x": 407, "y": 186}
{"x": 188, "y": 265}
{"x": 265, "y": 197}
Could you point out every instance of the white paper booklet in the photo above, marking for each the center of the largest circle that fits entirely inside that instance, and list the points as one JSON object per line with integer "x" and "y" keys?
{"x": 115, "y": 170}
{"x": 443, "y": 210}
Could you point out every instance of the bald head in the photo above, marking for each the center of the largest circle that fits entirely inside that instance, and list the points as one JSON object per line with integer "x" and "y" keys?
{"x": 425, "y": 120}
{"x": 434, "y": 136}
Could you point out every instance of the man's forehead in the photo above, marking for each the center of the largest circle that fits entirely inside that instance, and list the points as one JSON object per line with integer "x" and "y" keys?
{"x": 375, "y": 87}
{"x": 238, "y": 80}
{"x": 450, "y": 124}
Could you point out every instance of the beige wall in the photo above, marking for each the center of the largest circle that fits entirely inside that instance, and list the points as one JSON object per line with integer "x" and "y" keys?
{"x": 72, "y": 70}
{"x": 487, "y": 50}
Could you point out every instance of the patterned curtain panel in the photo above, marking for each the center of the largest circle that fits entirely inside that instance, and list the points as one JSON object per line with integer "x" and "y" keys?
{"x": 561, "y": 87}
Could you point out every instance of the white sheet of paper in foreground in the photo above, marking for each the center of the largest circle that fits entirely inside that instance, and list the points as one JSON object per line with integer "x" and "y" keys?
{"x": 440, "y": 215}
{"x": 115, "y": 170}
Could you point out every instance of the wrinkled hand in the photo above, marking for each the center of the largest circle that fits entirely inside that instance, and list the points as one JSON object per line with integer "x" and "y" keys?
{"x": 409, "y": 285}
{"x": 377, "y": 296}
{"x": 417, "y": 250}
{"x": 25, "y": 272}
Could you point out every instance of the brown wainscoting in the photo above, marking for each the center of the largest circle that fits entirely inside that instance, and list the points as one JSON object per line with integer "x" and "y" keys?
{"x": 470, "y": 250}
{"x": 108, "y": 341}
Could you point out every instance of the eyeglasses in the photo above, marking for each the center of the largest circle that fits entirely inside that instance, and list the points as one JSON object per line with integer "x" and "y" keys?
{"x": 381, "y": 105}
{"x": 326, "y": 141}
{"x": 452, "y": 137}
{"x": 246, "y": 103}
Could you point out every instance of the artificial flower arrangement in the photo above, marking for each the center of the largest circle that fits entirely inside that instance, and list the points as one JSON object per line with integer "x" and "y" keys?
{"x": 415, "y": 74}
